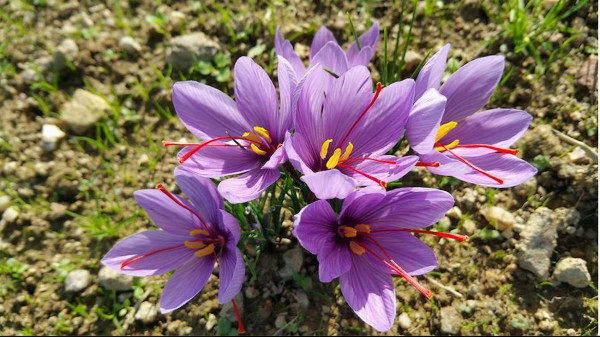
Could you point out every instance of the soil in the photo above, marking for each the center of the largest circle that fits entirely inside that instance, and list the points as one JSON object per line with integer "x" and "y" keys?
{"x": 73, "y": 202}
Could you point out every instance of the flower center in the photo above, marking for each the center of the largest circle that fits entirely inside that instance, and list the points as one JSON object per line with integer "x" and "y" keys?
{"x": 203, "y": 243}
{"x": 443, "y": 131}
{"x": 337, "y": 155}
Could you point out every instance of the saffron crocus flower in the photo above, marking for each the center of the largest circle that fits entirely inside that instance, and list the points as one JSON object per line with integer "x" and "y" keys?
{"x": 242, "y": 137}
{"x": 445, "y": 128}
{"x": 325, "y": 51}
{"x": 340, "y": 140}
{"x": 370, "y": 240}
{"x": 194, "y": 236}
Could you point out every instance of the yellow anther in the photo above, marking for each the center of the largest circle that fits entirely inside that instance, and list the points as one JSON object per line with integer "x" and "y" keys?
{"x": 447, "y": 147}
{"x": 325, "y": 148}
{"x": 252, "y": 137}
{"x": 194, "y": 244}
{"x": 444, "y": 129}
{"x": 356, "y": 248}
{"x": 257, "y": 150}
{"x": 334, "y": 159}
{"x": 348, "y": 232}
{"x": 363, "y": 228}
{"x": 206, "y": 250}
{"x": 199, "y": 232}
{"x": 264, "y": 133}
{"x": 349, "y": 149}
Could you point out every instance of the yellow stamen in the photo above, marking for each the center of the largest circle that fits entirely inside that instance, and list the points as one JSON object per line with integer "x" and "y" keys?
{"x": 199, "y": 232}
{"x": 194, "y": 244}
{"x": 356, "y": 248}
{"x": 264, "y": 133}
{"x": 348, "y": 151}
{"x": 334, "y": 159}
{"x": 447, "y": 147}
{"x": 325, "y": 148}
{"x": 257, "y": 150}
{"x": 348, "y": 232}
{"x": 444, "y": 129}
{"x": 363, "y": 228}
{"x": 205, "y": 251}
{"x": 252, "y": 137}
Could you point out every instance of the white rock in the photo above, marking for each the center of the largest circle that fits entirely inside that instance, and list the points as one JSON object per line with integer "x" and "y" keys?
{"x": 280, "y": 321}
{"x": 112, "y": 280}
{"x": 10, "y": 167}
{"x": 450, "y": 321}
{"x": 143, "y": 160}
{"x": 50, "y": 135}
{"x": 77, "y": 280}
{"x": 146, "y": 313}
{"x": 211, "y": 322}
{"x": 130, "y": 45}
{"x": 4, "y": 202}
{"x": 454, "y": 213}
{"x": 469, "y": 226}
{"x": 67, "y": 51}
{"x": 572, "y": 271}
{"x": 10, "y": 214}
{"x": 537, "y": 242}
{"x": 404, "y": 321}
{"x": 185, "y": 49}
{"x": 302, "y": 298}
{"x": 498, "y": 217}
{"x": 293, "y": 259}
{"x": 83, "y": 111}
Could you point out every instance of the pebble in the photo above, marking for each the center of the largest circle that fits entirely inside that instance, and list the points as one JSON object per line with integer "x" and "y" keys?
{"x": 130, "y": 45}
{"x": 293, "y": 259}
{"x": 546, "y": 326}
{"x": 146, "y": 313}
{"x": 280, "y": 321}
{"x": 302, "y": 298}
{"x": 537, "y": 242}
{"x": 404, "y": 321}
{"x": 567, "y": 217}
{"x": 469, "y": 227}
{"x": 51, "y": 134}
{"x": 4, "y": 202}
{"x": 211, "y": 322}
{"x": 587, "y": 74}
{"x": 519, "y": 323}
{"x": 450, "y": 321}
{"x": 67, "y": 51}
{"x": 572, "y": 271}
{"x": 412, "y": 59}
{"x": 454, "y": 213}
{"x": 112, "y": 280}
{"x": 83, "y": 111}
{"x": 498, "y": 217}
{"x": 251, "y": 292}
{"x": 10, "y": 215}
{"x": 185, "y": 49}
{"x": 77, "y": 280}
{"x": 143, "y": 160}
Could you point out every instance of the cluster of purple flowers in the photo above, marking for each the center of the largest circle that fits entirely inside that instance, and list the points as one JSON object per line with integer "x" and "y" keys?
{"x": 333, "y": 128}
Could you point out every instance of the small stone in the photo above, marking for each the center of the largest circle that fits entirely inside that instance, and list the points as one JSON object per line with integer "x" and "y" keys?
{"x": 11, "y": 214}
{"x": 542, "y": 140}
{"x": 251, "y": 292}
{"x": 546, "y": 326}
{"x": 498, "y": 217}
{"x": 176, "y": 19}
{"x": 302, "y": 298}
{"x": 469, "y": 226}
{"x": 577, "y": 156}
{"x": 404, "y": 321}
{"x": 450, "y": 321}
{"x": 143, "y": 160}
{"x": 10, "y": 167}
{"x": 519, "y": 323}
{"x": 67, "y": 51}
{"x": 186, "y": 49}
{"x": 572, "y": 271}
{"x": 566, "y": 217}
{"x": 293, "y": 259}
{"x": 211, "y": 322}
{"x": 454, "y": 213}
{"x": 537, "y": 242}
{"x": 588, "y": 73}
{"x": 130, "y": 45}
{"x": 77, "y": 280}
{"x": 112, "y": 280}
{"x": 412, "y": 60}
{"x": 83, "y": 111}
{"x": 146, "y": 313}
{"x": 57, "y": 210}
{"x": 527, "y": 188}
{"x": 51, "y": 134}
{"x": 280, "y": 321}
{"x": 4, "y": 202}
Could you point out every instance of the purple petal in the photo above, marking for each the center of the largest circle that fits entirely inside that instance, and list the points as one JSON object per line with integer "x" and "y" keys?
{"x": 498, "y": 127}
{"x": 432, "y": 72}
{"x": 471, "y": 86}
{"x": 231, "y": 273}
{"x": 287, "y": 86}
{"x": 509, "y": 168}
{"x": 218, "y": 161}
{"x": 329, "y": 184}
{"x": 166, "y": 214}
{"x": 297, "y": 142}
{"x": 164, "y": 251}
{"x": 201, "y": 192}
{"x": 362, "y": 58}
{"x": 367, "y": 40}
{"x": 449, "y": 166}
{"x": 232, "y": 226}
{"x": 284, "y": 49}
{"x": 382, "y": 171}
{"x": 322, "y": 37}
{"x": 354, "y": 210}
{"x": 383, "y": 125}
{"x": 186, "y": 282}
{"x": 308, "y": 120}
{"x": 248, "y": 186}
{"x": 334, "y": 260}
{"x": 410, "y": 253}
{"x": 370, "y": 293}
{"x": 331, "y": 57}
{"x": 277, "y": 158}
{"x": 424, "y": 121}
{"x": 255, "y": 95}
{"x": 314, "y": 225}
{"x": 207, "y": 112}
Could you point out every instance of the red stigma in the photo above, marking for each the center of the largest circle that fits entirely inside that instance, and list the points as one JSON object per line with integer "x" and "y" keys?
{"x": 457, "y": 237}
{"x": 466, "y": 162}
{"x": 378, "y": 181}
{"x": 495, "y": 148}
{"x": 241, "y": 328}
{"x": 428, "y": 164}
{"x": 161, "y": 188}
{"x": 139, "y": 257}
{"x": 377, "y": 92}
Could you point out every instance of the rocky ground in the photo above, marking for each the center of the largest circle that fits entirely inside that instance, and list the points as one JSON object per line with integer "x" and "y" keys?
{"x": 85, "y": 102}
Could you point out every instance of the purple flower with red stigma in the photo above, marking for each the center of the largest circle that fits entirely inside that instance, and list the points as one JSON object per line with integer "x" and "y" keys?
{"x": 242, "y": 137}
{"x": 343, "y": 130}
{"x": 194, "y": 236}
{"x": 452, "y": 138}
{"x": 370, "y": 240}
{"x": 326, "y": 52}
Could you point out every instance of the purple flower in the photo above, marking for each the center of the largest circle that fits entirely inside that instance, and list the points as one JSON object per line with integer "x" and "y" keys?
{"x": 371, "y": 239}
{"x": 194, "y": 236}
{"x": 343, "y": 130}
{"x": 452, "y": 139}
{"x": 328, "y": 53}
{"x": 242, "y": 137}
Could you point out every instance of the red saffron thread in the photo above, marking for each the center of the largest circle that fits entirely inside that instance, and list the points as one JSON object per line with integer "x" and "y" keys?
{"x": 377, "y": 92}
{"x": 161, "y": 188}
{"x": 241, "y": 328}
{"x": 380, "y": 182}
{"x": 466, "y": 162}
{"x": 139, "y": 257}
{"x": 457, "y": 237}
{"x": 495, "y": 148}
